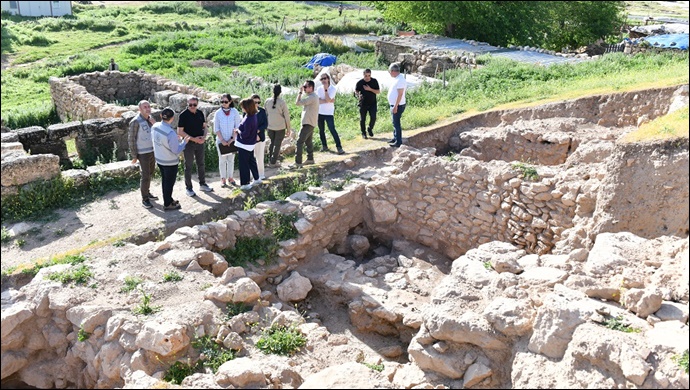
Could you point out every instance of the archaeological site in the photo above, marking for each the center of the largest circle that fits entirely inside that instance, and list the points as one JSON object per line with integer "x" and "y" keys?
{"x": 517, "y": 248}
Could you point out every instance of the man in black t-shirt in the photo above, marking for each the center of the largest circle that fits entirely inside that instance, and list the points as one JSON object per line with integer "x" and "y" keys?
{"x": 366, "y": 91}
{"x": 192, "y": 123}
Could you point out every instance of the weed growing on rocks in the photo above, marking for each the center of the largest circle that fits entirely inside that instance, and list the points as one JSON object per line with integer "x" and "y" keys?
{"x": 83, "y": 335}
{"x": 172, "y": 276}
{"x": 528, "y": 172}
{"x": 682, "y": 361}
{"x": 282, "y": 225}
{"x": 79, "y": 275}
{"x": 145, "y": 307}
{"x": 5, "y": 235}
{"x": 375, "y": 367}
{"x": 617, "y": 323}
{"x": 281, "y": 340}
{"x": 250, "y": 250}
{"x": 131, "y": 283}
{"x": 212, "y": 355}
{"x": 70, "y": 259}
{"x": 178, "y": 371}
{"x": 236, "y": 308}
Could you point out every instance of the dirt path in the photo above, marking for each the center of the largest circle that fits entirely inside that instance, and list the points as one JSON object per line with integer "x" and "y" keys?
{"x": 120, "y": 216}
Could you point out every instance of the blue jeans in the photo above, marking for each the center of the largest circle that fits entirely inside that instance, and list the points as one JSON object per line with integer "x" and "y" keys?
{"x": 397, "y": 129}
{"x": 328, "y": 119}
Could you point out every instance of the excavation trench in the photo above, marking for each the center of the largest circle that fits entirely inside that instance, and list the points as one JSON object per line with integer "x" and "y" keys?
{"x": 378, "y": 255}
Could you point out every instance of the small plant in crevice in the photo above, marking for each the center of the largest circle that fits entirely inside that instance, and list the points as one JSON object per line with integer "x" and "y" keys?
{"x": 69, "y": 259}
{"x": 249, "y": 203}
{"x": 20, "y": 242}
{"x": 212, "y": 354}
{"x": 119, "y": 243}
{"x": 527, "y": 171}
{"x": 178, "y": 371}
{"x": 281, "y": 225}
{"x": 145, "y": 307}
{"x": 487, "y": 265}
{"x": 250, "y": 250}
{"x": 375, "y": 367}
{"x": 281, "y": 340}
{"x": 337, "y": 186}
{"x": 451, "y": 157}
{"x": 682, "y": 361}
{"x": 131, "y": 283}
{"x": 172, "y": 276}
{"x": 618, "y": 323}
{"x": 236, "y": 308}
{"x": 83, "y": 335}
{"x": 59, "y": 232}
{"x": 349, "y": 176}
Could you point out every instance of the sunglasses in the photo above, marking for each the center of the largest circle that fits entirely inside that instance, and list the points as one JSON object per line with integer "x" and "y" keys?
{"x": 257, "y": 101}
{"x": 225, "y": 102}
{"x": 324, "y": 78}
{"x": 192, "y": 105}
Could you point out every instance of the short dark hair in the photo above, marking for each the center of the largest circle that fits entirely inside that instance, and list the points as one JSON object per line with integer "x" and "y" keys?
{"x": 310, "y": 83}
{"x": 167, "y": 113}
{"x": 367, "y": 70}
{"x": 229, "y": 97}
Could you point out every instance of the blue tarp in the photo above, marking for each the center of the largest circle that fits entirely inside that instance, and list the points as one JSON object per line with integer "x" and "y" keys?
{"x": 673, "y": 41}
{"x": 323, "y": 59}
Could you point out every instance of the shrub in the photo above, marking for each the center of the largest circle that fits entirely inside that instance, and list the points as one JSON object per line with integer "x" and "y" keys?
{"x": 617, "y": 323}
{"x": 5, "y": 235}
{"x": 682, "y": 361}
{"x": 281, "y": 225}
{"x": 145, "y": 307}
{"x": 281, "y": 340}
{"x": 178, "y": 371}
{"x": 79, "y": 275}
{"x": 250, "y": 249}
{"x": 527, "y": 171}
{"x": 236, "y": 308}
{"x": 172, "y": 276}
{"x": 213, "y": 355}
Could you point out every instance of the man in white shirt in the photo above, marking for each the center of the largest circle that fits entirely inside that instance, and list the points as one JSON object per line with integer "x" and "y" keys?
{"x": 326, "y": 94}
{"x": 396, "y": 100}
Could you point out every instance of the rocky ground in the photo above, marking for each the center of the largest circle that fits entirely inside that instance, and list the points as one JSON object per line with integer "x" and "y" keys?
{"x": 423, "y": 271}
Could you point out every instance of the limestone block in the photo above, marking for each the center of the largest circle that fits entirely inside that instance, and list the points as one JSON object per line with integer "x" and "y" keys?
{"x": 349, "y": 375}
{"x": 33, "y": 135}
{"x": 233, "y": 341}
{"x": 232, "y": 274}
{"x": 673, "y": 311}
{"x": 220, "y": 293}
{"x": 359, "y": 245}
{"x": 178, "y": 102}
{"x": 88, "y": 317}
{"x": 15, "y": 315}
{"x": 642, "y": 302}
{"x": 511, "y": 317}
{"x": 10, "y": 136}
{"x": 476, "y": 373}
{"x": 80, "y": 176}
{"x": 65, "y": 130}
{"x": 287, "y": 319}
{"x": 241, "y": 372}
{"x": 246, "y": 290}
{"x": 164, "y": 339}
{"x": 383, "y": 211}
{"x": 469, "y": 327}
{"x": 554, "y": 325}
{"x": 294, "y": 288}
{"x": 11, "y": 363}
{"x": 19, "y": 170}
{"x": 544, "y": 275}
{"x": 12, "y": 147}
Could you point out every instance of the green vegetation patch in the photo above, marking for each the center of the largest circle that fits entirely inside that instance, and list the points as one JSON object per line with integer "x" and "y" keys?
{"x": 281, "y": 340}
{"x": 682, "y": 361}
{"x": 250, "y": 249}
{"x": 83, "y": 335}
{"x": 618, "y": 323}
{"x": 675, "y": 124}
{"x": 69, "y": 259}
{"x": 281, "y": 225}
{"x": 172, "y": 276}
{"x": 131, "y": 283}
{"x": 213, "y": 354}
{"x": 527, "y": 171}
{"x": 236, "y": 308}
{"x": 78, "y": 275}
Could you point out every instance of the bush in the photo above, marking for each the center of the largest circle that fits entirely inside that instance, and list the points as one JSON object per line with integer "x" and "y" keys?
{"x": 37, "y": 40}
{"x": 250, "y": 249}
{"x": 79, "y": 275}
{"x": 214, "y": 354}
{"x": 281, "y": 340}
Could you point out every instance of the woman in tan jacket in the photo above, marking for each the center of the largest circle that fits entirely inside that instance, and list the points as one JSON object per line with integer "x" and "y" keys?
{"x": 278, "y": 124}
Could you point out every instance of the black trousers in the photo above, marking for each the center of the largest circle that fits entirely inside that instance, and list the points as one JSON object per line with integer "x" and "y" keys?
{"x": 363, "y": 110}
{"x": 247, "y": 165}
{"x": 169, "y": 175}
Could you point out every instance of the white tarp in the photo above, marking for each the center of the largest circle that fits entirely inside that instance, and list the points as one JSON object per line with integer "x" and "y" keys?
{"x": 348, "y": 82}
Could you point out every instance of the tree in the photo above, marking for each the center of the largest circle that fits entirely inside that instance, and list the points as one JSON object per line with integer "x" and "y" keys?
{"x": 550, "y": 24}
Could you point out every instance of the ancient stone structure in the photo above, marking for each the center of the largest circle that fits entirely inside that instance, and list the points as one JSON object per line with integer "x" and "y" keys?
{"x": 477, "y": 274}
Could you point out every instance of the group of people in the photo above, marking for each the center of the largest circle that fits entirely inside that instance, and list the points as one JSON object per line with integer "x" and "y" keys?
{"x": 158, "y": 143}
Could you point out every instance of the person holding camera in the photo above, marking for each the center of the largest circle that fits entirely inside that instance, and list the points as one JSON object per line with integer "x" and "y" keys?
{"x": 366, "y": 90}
{"x": 310, "y": 117}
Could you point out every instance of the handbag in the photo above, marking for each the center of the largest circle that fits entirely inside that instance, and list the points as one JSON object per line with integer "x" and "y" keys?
{"x": 232, "y": 148}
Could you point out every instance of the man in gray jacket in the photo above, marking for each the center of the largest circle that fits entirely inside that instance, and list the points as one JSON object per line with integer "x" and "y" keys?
{"x": 310, "y": 117}
{"x": 141, "y": 149}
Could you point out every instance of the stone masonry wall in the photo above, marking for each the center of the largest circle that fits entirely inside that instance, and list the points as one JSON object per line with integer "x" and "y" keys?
{"x": 455, "y": 206}
{"x": 613, "y": 110}
{"x": 85, "y": 96}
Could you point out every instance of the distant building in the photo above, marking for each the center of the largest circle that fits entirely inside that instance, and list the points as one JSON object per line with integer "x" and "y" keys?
{"x": 37, "y": 8}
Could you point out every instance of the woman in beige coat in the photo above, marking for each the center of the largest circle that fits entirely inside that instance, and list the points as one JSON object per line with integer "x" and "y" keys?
{"x": 278, "y": 124}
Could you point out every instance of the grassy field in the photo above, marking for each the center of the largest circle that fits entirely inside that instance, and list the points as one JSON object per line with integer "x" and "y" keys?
{"x": 243, "y": 42}
{"x": 673, "y": 125}
{"x": 643, "y": 9}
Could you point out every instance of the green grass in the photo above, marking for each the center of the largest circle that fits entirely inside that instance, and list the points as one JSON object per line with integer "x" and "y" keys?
{"x": 668, "y": 126}
{"x": 527, "y": 171}
{"x": 83, "y": 335}
{"x": 178, "y": 371}
{"x": 281, "y": 225}
{"x": 236, "y": 308}
{"x": 5, "y": 235}
{"x": 68, "y": 259}
{"x": 145, "y": 308}
{"x": 375, "y": 367}
{"x": 280, "y": 340}
{"x": 214, "y": 354}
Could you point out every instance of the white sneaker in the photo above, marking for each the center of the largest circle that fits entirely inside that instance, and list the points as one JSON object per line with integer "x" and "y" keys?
{"x": 205, "y": 188}
{"x": 191, "y": 193}
{"x": 262, "y": 177}
{"x": 257, "y": 182}
{"x": 246, "y": 187}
